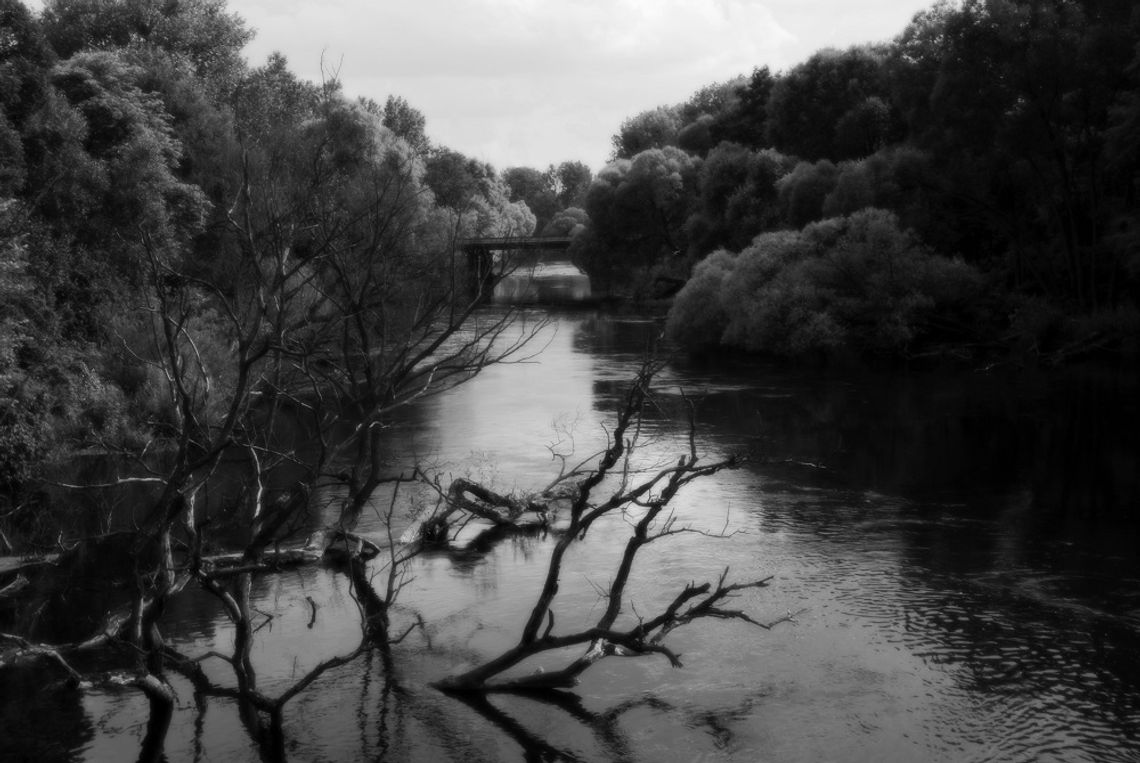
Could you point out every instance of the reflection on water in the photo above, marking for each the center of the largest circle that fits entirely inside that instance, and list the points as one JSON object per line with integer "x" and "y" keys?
{"x": 964, "y": 545}
{"x": 547, "y": 280}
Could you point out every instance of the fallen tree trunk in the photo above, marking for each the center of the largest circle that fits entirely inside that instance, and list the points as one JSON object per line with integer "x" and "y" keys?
{"x": 503, "y": 511}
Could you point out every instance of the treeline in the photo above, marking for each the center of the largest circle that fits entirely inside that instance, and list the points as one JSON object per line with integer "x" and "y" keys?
{"x": 172, "y": 217}
{"x": 974, "y": 179}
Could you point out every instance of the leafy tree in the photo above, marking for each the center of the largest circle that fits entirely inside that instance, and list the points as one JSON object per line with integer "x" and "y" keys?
{"x": 703, "y": 114}
{"x": 535, "y": 189}
{"x": 844, "y": 286}
{"x": 825, "y": 108}
{"x": 407, "y": 122}
{"x": 1020, "y": 102}
{"x": 736, "y": 197}
{"x": 637, "y": 210}
{"x": 271, "y": 101}
{"x": 697, "y": 137}
{"x": 456, "y": 179}
{"x": 569, "y": 222}
{"x": 199, "y": 32}
{"x": 655, "y": 128}
{"x": 866, "y": 128}
{"x": 805, "y": 189}
{"x": 699, "y": 315}
{"x": 745, "y": 120}
{"x": 572, "y": 180}
{"x": 901, "y": 179}
{"x": 478, "y": 199}
{"x": 132, "y": 155}
{"x": 25, "y": 59}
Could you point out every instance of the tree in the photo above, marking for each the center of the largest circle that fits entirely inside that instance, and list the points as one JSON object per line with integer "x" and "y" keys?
{"x": 656, "y": 128}
{"x": 637, "y": 210}
{"x": 569, "y": 222}
{"x": 746, "y": 119}
{"x": 704, "y": 113}
{"x": 805, "y": 189}
{"x": 809, "y": 104}
{"x": 572, "y": 181}
{"x": 852, "y": 286}
{"x": 456, "y": 179}
{"x": 407, "y": 122}
{"x": 535, "y": 189}
{"x": 736, "y": 197}
{"x": 200, "y": 33}
{"x": 1014, "y": 98}
{"x": 643, "y": 494}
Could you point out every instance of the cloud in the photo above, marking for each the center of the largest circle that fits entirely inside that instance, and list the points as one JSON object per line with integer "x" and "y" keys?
{"x": 532, "y": 82}
{"x": 532, "y": 76}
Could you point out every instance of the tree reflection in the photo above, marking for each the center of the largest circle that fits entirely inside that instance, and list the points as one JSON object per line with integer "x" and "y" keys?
{"x": 604, "y": 726}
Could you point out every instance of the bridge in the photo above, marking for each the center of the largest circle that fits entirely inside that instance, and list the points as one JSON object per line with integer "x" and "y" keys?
{"x": 481, "y": 262}
{"x": 514, "y": 243}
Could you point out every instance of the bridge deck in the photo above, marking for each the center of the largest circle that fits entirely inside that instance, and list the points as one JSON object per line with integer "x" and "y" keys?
{"x": 514, "y": 243}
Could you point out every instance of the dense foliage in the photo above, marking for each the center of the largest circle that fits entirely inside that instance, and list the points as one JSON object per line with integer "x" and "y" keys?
{"x": 152, "y": 184}
{"x": 847, "y": 285}
{"x": 999, "y": 132}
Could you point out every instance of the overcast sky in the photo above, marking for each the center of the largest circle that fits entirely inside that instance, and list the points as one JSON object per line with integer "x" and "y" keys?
{"x": 536, "y": 82}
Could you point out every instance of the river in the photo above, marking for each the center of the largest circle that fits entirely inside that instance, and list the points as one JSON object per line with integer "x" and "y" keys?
{"x": 960, "y": 548}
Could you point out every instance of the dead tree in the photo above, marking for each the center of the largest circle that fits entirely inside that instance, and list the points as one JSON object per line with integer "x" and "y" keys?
{"x": 644, "y": 500}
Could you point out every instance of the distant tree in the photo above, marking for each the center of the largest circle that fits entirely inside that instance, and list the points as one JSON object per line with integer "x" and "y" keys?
{"x": 804, "y": 190}
{"x": 406, "y": 122}
{"x": 573, "y": 180}
{"x": 736, "y": 197}
{"x": 866, "y": 128}
{"x": 808, "y": 105}
{"x": 569, "y": 222}
{"x": 456, "y": 179}
{"x": 697, "y": 137}
{"x": 535, "y": 189}
{"x": 655, "y": 128}
{"x": 477, "y": 196}
{"x": 714, "y": 100}
{"x": 745, "y": 120}
{"x": 902, "y": 179}
{"x": 703, "y": 114}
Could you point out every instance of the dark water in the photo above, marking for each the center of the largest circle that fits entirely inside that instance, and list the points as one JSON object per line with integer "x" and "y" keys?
{"x": 963, "y": 545}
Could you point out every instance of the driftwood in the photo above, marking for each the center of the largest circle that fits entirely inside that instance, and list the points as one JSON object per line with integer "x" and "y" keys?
{"x": 17, "y": 564}
{"x": 11, "y": 590}
{"x": 506, "y": 513}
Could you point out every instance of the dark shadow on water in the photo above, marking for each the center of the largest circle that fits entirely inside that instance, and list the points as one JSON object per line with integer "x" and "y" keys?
{"x": 605, "y": 727}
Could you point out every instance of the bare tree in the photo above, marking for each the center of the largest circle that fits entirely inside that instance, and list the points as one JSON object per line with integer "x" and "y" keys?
{"x": 643, "y": 500}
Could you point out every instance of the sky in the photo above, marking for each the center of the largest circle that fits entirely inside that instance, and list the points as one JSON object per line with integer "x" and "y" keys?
{"x": 538, "y": 82}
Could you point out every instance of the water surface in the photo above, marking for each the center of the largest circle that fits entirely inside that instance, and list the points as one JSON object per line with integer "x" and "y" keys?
{"x": 962, "y": 546}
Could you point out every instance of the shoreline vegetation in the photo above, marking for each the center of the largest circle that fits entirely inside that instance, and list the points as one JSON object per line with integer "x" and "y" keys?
{"x": 991, "y": 144}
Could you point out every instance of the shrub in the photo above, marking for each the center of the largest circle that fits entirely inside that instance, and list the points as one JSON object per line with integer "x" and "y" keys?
{"x": 698, "y": 317}
{"x": 855, "y": 284}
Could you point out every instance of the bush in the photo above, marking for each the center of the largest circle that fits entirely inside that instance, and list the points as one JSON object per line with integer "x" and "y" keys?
{"x": 855, "y": 284}
{"x": 698, "y": 317}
